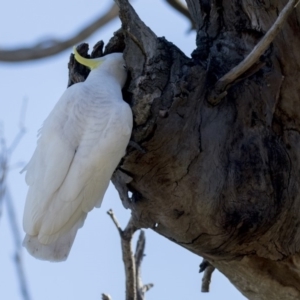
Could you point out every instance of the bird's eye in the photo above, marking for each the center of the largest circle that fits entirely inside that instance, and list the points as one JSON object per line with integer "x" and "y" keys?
{"x": 124, "y": 67}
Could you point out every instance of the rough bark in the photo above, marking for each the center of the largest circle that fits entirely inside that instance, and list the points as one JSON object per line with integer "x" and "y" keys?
{"x": 221, "y": 181}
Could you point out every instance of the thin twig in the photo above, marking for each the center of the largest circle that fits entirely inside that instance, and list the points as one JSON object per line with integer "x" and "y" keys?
{"x": 54, "y": 46}
{"x": 18, "y": 246}
{"x": 139, "y": 254}
{"x": 140, "y": 248}
{"x": 207, "y": 278}
{"x": 112, "y": 216}
{"x": 5, "y": 196}
{"x": 147, "y": 287}
{"x": 181, "y": 8}
{"x": 219, "y": 91}
{"x": 135, "y": 290}
{"x": 128, "y": 258}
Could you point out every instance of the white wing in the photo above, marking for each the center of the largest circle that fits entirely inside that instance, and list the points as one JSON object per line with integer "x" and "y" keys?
{"x": 49, "y": 164}
{"x": 80, "y": 146}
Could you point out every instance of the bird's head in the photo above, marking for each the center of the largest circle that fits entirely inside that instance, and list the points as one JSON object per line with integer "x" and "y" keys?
{"x": 112, "y": 64}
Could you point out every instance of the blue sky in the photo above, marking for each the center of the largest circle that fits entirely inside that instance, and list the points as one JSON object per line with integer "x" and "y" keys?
{"x": 95, "y": 264}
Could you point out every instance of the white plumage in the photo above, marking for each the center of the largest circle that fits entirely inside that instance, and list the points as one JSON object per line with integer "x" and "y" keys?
{"x": 79, "y": 147}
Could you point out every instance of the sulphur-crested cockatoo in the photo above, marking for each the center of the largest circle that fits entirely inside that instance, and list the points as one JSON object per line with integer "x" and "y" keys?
{"x": 79, "y": 147}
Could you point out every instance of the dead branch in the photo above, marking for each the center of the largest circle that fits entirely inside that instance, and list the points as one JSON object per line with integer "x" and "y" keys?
{"x": 207, "y": 278}
{"x": 138, "y": 257}
{"x": 54, "y": 46}
{"x": 208, "y": 269}
{"x": 5, "y": 196}
{"x": 18, "y": 246}
{"x": 139, "y": 254}
{"x": 135, "y": 290}
{"x": 111, "y": 214}
{"x": 147, "y": 287}
{"x": 222, "y": 85}
{"x": 128, "y": 258}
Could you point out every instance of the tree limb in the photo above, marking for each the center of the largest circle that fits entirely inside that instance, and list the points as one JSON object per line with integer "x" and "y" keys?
{"x": 128, "y": 258}
{"x": 135, "y": 289}
{"x": 207, "y": 278}
{"x": 138, "y": 257}
{"x": 53, "y": 46}
{"x": 112, "y": 216}
{"x": 139, "y": 254}
{"x": 220, "y": 89}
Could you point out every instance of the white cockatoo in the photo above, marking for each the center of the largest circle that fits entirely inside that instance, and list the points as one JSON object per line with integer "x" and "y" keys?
{"x": 80, "y": 145}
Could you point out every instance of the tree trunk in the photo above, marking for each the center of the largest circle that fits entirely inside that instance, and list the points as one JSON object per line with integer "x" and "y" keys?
{"x": 221, "y": 181}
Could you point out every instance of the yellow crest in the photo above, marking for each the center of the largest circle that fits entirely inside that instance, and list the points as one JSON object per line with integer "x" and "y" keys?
{"x": 90, "y": 63}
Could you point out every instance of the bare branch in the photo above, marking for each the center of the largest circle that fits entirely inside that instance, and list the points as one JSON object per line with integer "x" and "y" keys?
{"x": 135, "y": 290}
{"x": 139, "y": 254}
{"x": 111, "y": 214}
{"x": 219, "y": 91}
{"x": 147, "y": 287}
{"x": 140, "y": 248}
{"x": 181, "y": 8}
{"x": 128, "y": 258}
{"x": 5, "y": 195}
{"x": 208, "y": 269}
{"x": 207, "y": 278}
{"x": 53, "y": 46}
{"x": 18, "y": 246}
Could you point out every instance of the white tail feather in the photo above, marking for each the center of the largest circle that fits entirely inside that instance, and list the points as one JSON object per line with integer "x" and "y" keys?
{"x": 56, "y": 251}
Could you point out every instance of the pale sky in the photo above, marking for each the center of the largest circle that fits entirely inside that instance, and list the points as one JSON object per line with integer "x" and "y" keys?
{"x": 95, "y": 264}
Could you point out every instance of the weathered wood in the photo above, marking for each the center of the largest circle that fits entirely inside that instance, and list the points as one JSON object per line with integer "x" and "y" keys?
{"x": 220, "y": 181}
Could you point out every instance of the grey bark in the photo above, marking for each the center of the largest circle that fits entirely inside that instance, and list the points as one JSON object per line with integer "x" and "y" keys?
{"x": 221, "y": 181}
